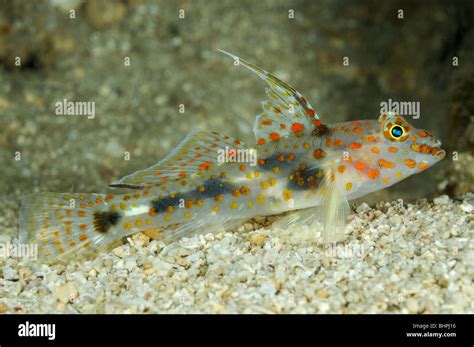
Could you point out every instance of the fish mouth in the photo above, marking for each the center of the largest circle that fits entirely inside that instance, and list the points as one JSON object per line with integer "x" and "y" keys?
{"x": 440, "y": 154}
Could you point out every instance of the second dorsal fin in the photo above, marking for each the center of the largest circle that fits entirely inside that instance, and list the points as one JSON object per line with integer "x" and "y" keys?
{"x": 199, "y": 152}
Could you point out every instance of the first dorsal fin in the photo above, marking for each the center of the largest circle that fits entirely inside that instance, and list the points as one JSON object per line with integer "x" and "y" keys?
{"x": 286, "y": 112}
{"x": 199, "y": 152}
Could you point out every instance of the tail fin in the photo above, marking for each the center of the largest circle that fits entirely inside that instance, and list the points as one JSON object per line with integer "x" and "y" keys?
{"x": 65, "y": 224}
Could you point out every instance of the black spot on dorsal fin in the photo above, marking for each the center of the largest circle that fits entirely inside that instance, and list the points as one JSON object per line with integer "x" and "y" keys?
{"x": 104, "y": 220}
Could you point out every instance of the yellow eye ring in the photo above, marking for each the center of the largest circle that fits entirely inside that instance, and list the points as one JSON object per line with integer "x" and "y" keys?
{"x": 397, "y": 131}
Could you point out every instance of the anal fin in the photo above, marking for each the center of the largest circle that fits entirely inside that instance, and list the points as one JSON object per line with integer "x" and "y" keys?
{"x": 191, "y": 228}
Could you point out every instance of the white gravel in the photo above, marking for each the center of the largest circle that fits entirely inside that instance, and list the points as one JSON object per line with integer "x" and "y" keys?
{"x": 411, "y": 258}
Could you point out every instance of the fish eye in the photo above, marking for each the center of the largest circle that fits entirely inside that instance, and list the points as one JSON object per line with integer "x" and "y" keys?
{"x": 397, "y": 131}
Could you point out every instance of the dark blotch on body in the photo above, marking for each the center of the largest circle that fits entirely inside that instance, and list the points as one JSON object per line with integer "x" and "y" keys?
{"x": 102, "y": 221}
{"x": 270, "y": 162}
{"x": 305, "y": 179}
{"x": 212, "y": 188}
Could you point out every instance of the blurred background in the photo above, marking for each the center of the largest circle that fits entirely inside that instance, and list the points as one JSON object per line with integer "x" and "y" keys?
{"x": 77, "y": 50}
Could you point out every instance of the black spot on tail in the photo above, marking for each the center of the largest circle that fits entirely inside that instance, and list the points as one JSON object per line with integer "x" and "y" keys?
{"x": 104, "y": 220}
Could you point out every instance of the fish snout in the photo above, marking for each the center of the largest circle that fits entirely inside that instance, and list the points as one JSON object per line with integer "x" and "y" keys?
{"x": 428, "y": 148}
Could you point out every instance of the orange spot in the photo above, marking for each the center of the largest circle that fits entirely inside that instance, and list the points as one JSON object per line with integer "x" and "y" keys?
{"x": 360, "y": 165}
{"x": 423, "y": 166}
{"x": 98, "y": 200}
{"x": 189, "y": 204}
{"x": 317, "y": 122}
{"x": 68, "y": 231}
{"x": 83, "y": 227}
{"x": 204, "y": 165}
{"x": 81, "y": 214}
{"x": 296, "y": 127}
{"x": 291, "y": 156}
{"x": 274, "y": 136}
{"x": 309, "y": 112}
{"x": 356, "y": 124}
{"x": 72, "y": 244}
{"x": 281, "y": 157}
{"x": 287, "y": 195}
{"x": 152, "y": 212}
{"x": 68, "y": 223}
{"x": 355, "y": 145}
{"x": 422, "y": 133}
{"x": 339, "y": 143}
{"x": 393, "y": 149}
{"x": 318, "y": 154}
{"x": 282, "y": 126}
{"x": 375, "y": 150}
{"x": 245, "y": 191}
{"x": 170, "y": 209}
{"x": 410, "y": 163}
{"x": 371, "y": 138}
{"x": 82, "y": 237}
{"x": 266, "y": 122}
{"x": 329, "y": 142}
{"x": 219, "y": 198}
{"x": 242, "y": 167}
{"x": 341, "y": 168}
{"x": 386, "y": 164}
{"x": 357, "y": 129}
{"x": 385, "y": 180}
{"x": 373, "y": 173}
{"x": 261, "y": 141}
{"x": 276, "y": 110}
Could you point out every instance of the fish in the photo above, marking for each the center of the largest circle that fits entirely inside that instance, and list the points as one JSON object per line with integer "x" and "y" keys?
{"x": 212, "y": 181}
